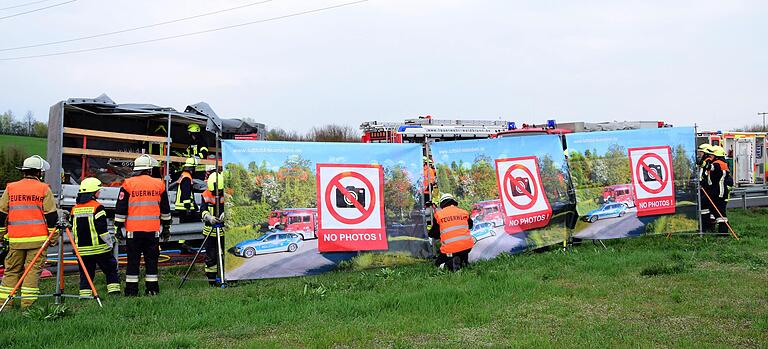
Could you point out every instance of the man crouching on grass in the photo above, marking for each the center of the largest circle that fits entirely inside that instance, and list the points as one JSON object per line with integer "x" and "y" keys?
{"x": 452, "y": 226}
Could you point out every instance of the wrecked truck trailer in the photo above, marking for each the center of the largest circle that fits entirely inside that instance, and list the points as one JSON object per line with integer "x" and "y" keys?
{"x": 96, "y": 137}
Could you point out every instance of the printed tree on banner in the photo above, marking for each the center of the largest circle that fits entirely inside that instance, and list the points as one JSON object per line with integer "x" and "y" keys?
{"x": 682, "y": 167}
{"x": 483, "y": 179}
{"x": 616, "y": 161}
{"x": 399, "y": 193}
{"x": 297, "y": 184}
{"x": 554, "y": 180}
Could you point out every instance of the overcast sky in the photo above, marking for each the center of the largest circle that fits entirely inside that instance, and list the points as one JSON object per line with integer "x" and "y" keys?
{"x": 684, "y": 62}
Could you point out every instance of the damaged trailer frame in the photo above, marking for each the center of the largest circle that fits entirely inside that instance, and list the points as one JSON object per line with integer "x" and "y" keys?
{"x": 98, "y": 137}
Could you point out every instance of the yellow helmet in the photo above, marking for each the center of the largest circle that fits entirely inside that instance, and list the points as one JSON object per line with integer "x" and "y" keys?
{"x": 215, "y": 180}
{"x": 191, "y": 162}
{"x": 705, "y": 148}
{"x": 90, "y": 185}
{"x": 718, "y": 151}
{"x": 194, "y": 128}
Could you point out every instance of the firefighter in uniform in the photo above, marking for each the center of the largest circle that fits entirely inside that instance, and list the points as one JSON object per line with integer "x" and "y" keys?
{"x": 142, "y": 208}
{"x": 429, "y": 179}
{"x": 28, "y": 215}
{"x": 452, "y": 226}
{"x": 705, "y": 159}
{"x": 185, "y": 204}
{"x": 197, "y": 146}
{"x": 213, "y": 215}
{"x": 92, "y": 237}
{"x": 720, "y": 182}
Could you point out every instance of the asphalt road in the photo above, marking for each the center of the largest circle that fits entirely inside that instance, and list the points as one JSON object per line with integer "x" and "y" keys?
{"x": 612, "y": 228}
{"x": 305, "y": 261}
{"x": 493, "y": 246}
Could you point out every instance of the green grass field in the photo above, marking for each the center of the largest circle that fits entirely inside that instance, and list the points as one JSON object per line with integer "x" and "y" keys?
{"x": 32, "y": 145}
{"x": 688, "y": 291}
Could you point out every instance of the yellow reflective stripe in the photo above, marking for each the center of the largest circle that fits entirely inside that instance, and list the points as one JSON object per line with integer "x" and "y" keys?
{"x": 28, "y": 239}
{"x": 100, "y": 214}
{"x": 113, "y": 287}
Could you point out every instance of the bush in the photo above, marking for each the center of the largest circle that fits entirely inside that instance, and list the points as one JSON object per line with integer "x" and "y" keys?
{"x": 10, "y": 157}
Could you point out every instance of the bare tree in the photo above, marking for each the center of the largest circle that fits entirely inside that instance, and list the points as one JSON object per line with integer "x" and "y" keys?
{"x": 334, "y": 133}
{"x": 29, "y": 119}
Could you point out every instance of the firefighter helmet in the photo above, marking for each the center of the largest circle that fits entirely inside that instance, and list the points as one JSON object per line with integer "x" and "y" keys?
{"x": 718, "y": 151}
{"x": 194, "y": 128}
{"x": 191, "y": 162}
{"x": 35, "y": 162}
{"x": 90, "y": 185}
{"x": 215, "y": 180}
{"x": 445, "y": 197}
{"x": 144, "y": 162}
{"x": 705, "y": 148}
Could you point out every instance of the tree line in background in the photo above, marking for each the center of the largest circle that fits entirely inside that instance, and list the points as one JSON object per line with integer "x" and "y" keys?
{"x": 25, "y": 126}
{"x": 326, "y": 133}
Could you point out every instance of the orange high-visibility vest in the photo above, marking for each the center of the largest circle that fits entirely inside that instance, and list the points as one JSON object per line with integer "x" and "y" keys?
{"x": 429, "y": 177}
{"x": 454, "y": 230}
{"x": 143, "y": 203}
{"x": 26, "y": 219}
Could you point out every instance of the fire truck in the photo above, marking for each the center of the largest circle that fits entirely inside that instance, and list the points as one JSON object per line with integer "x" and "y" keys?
{"x": 426, "y": 129}
{"x": 744, "y": 153}
{"x": 302, "y": 221}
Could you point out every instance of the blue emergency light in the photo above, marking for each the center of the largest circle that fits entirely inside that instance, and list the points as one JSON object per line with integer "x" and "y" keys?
{"x": 511, "y": 125}
{"x": 551, "y": 124}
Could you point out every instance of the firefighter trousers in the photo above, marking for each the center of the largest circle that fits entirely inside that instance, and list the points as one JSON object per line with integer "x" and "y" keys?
{"x": 146, "y": 244}
{"x": 108, "y": 264}
{"x": 212, "y": 258}
{"x": 721, "y": 204}
{"x": 461, "y": 256}
{"x": 707, "y": 213}
{"x": 15, "y": 263}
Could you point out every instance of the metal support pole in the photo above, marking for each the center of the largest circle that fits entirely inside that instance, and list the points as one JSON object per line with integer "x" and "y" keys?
{"x": 763, "y": 115}
{"x": 186, "y": 274}
{"x": 216, "y": 210}
{"x": 168, "y": 155}
{"x": 698, "y": 186}
{"x": 57, "y": 299}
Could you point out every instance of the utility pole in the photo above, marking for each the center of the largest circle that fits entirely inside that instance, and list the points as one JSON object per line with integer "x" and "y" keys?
{"x": 763, "y": 115}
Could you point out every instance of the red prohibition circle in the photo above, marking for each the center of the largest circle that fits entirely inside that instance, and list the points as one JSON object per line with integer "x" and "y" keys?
{"x": 534, "y": 186}
{"x": 640, "y": 163}
{"x": 336, "y": 182}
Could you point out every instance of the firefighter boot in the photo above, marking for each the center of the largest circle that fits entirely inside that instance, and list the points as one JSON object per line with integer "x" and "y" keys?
{"x": 722, "y": 227}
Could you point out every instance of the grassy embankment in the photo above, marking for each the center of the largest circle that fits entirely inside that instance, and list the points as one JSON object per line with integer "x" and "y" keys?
{"x": 651, "y": 292}
{"x": 30, "y": 145}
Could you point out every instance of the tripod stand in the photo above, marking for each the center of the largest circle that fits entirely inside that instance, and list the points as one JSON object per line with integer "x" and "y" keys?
{"x": 61, "y": 226}
{"x": 217, "y": 229}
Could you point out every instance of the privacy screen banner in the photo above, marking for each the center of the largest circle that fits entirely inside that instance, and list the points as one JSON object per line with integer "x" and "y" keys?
{"x": 634, "y": 182}
{"x": 300, "y": 208}
{"x": 515, "y": 188}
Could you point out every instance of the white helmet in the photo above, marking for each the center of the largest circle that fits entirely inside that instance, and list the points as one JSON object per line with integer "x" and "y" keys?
{"x": 445, "y": 197}
{"x": 35, "y": 162}
{"x": 144, "y": 162}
